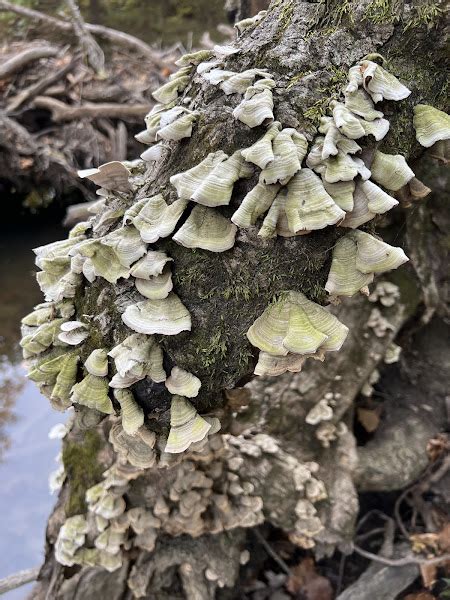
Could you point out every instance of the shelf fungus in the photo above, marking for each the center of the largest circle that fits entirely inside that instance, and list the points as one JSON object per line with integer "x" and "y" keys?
{"x": 39, "y": 316}
{"x": 56, "y": 280}
{"x": 194, "y": 58}
{"x": 289, "y": 149}
{"x": 211, "y": 182}
{"x": 338, "y": 167}
{"x": 112, "y": 176}
{"x": 104, "y": 502}
{"x": 36, "y": 340}
{"x": 275, "y": 222}
{"x": 131, "y": 413}
{"x": 321, "y": 411}
{"x": 157, "y": 219}
{"x": 177, "y": 125}
{"x": 151, "y": 265}
{"x": 342, "y": 193}
{"x": 361, "y": 104}
{"x": 380, "y": 84}
{"x": 261, "y": 152}
{"x": 186, "y": 426}
{"x": 332, "y": 142}
{"x": 92, "y": 391}
{"x": 390, "y": 170}
{"x": 126, "y": 244}
{"x": 97, "y": 363}
{"x": 55, "y": 377}
{"x": 168, "y": 92}
{"x": 136, "y": 449}
{"x": 208, "y": 229}
{"x": 183, "y": 383}
{"x": 216, "y": 187}
{"x": 257, "y": 106}
{"x": 71, "y": 536}
{"x": 295, "y": 325}
{"x": 138, "y": 356}
{"x": 431, "y": 125}
{"x": 101, "y": 260}
{"x": 73, "y": 332}
{"x": 258, "y": 200}
{"x": 167, "y": 316}
{"x": 356, "y": 258}
{"x": 308, "y": 205}
{"x": 250, "y": 22}
{"x": 368, "y": 201}
{"x": 65, "y": 380}
{"x": 157, "y": 287}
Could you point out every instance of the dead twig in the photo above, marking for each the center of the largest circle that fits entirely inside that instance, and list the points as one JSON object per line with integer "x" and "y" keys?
{"x": 400, "y": 562}
{"x": 271, "y": 552}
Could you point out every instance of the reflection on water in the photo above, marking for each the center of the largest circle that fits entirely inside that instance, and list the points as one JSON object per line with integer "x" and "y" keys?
{"x": 27, "y": 456}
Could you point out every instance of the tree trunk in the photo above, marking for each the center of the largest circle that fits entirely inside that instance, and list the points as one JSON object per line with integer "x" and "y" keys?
{"x": 255, "y": 468}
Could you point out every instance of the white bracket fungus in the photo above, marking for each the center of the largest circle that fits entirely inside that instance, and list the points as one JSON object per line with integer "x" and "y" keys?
{"x": 167, "y": 316}
{"x": 431, "y": 125}
{"x": 208, "y": 229}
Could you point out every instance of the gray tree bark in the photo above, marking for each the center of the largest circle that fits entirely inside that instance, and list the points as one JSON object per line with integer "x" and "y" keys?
{"x": 308, "y": 47}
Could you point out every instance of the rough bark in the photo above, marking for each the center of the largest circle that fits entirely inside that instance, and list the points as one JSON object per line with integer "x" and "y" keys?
{"x": 309, "y": 48}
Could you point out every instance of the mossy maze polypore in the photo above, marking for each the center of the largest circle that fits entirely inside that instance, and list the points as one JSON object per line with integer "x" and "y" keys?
{"x": 174, "y": 336}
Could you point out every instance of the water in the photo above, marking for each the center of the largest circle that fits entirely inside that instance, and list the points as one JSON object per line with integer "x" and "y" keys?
{"x": 27, "y": 456}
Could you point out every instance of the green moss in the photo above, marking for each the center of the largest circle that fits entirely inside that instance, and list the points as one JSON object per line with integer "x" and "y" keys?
{"x": 427, "y": 14}
{"x": 331, "y": 91}
{"x": 337, "y": 13}
{"x": 381, "y": 11}
{"x": 410, "y": 293}
{"x": 286, "y": 15}
{"x": 296, "y": 78}
{"x": 83, "y": 469}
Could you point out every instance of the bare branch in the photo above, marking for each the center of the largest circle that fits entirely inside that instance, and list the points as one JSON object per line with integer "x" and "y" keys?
{"x": 65, "y": 112}
{"x": 40, "y": 86}
{"x": 17, "y": 62}
{"x": 18, "y": 579}
{"x": 94, "y": 53}
{"x": 401, "y": 562}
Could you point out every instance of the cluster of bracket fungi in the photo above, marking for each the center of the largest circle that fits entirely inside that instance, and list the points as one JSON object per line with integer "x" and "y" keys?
{"x": 303, "y": 187}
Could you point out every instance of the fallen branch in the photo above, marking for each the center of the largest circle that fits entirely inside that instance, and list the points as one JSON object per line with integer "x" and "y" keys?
{"x": 40, "y": 86}
{"x": 12, "y": 582}
{"x": 65, "y": 112}
{"x": 17, "y": 62}
{"x": 112, "y": 35}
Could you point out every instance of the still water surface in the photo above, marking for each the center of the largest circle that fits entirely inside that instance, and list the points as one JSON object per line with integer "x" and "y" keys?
{"x": 27, "y": 456}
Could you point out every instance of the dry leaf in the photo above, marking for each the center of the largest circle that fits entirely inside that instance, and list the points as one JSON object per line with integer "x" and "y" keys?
{"x": 438, "y": 446}
{"x": 428, "y": 573}
{"x": 420, "y": 596}
{"x": 369, "y": 419}
{"x": 26, "y": 163}
{"x": 238, "y": 398}
{"x": 305, "y": 580}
